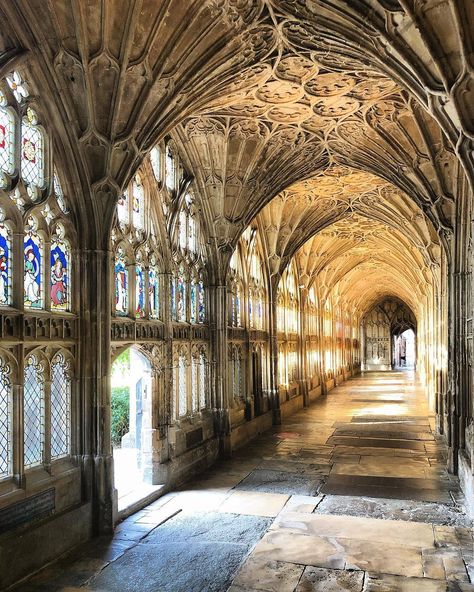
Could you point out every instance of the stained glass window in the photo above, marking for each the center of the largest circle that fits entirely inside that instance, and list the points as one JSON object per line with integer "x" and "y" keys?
{"x": 202, "y": 379}
{"x": 60, "y": 408}
{"x": 192, "y": 243}
{"x": 18, "y": 86}
{"x": 5, "y": 421}
{"x": 193, "y": 297}
{"x": 201, "y": 302}
{"x": 32, "y": 151}
{"x": 60, "y": 271}
{"x": 183, "y": 392}
{"x": 139, "y": 291}
{"x": 153, "y": 292}
{"x": 7, "y": 138}
{"x": 170, "y": 169}
{"x": 181, "y": 295}
{"x": 33, "y": 267}
{"x": 122, "y": 208}
{"x": 5, "y": 262}
{"x": 33, "y": 412}
{"x": 138, "y": 203}
{"x": 121, "y": 284}
{"x": 155, "y": 159}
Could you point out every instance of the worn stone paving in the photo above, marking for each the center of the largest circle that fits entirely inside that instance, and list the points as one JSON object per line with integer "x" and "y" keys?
{"x": 351, "y": 494}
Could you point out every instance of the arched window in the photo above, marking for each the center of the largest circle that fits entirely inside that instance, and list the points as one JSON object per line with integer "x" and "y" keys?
{"x": 7, "y": 139}
{"x": 123, "y": 208}
{"x": 153, "y": 289}
{"x": 6, "y": 409}
{"x": 32, "y": 153}
{"x": 140, "y": 303}
{"x": 155, "y": 160}
{"x": 170, "y": 169}
{"x": 60, "y": 407}
{"x": 138, "y": 203}
{"x": 235, "y": 289}
{"x": 33, "y": 412}
{"x": 60, "y": 271}
{"x": 121, "y": 283}
{"x": 33, "y": 266}
{"x": 5, "y": 261}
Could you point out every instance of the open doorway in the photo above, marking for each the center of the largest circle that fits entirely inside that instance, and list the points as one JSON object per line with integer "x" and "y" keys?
{"x": 405, "y": 350}
{"x": 131, "y": 426}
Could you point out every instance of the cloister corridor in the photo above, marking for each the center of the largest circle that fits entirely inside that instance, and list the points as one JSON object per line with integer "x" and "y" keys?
{"x": 351, "y": 493}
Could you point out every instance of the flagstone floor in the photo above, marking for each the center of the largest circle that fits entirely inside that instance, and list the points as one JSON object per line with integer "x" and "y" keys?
{"x": 350, "y": 494}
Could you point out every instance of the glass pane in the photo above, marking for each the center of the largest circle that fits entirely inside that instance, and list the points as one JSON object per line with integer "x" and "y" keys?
{"x": 5, "y": 265}
{"x": 181, "y": 296}
{"x": 153, "y": 292}
{"x": 60, "y": 409}
{"x": 201, "y": 303}
{"x": 170, "y": 170}
{"x": 195, "y": 381}
{"x": 60, "y": 274}
{"x": 138, "y": 203}
{"x": 193, "y": 297}
{"x": 5, "y": 421}
{"x": 33, "y": 270}
{"x": 155, "y": 157}
{"x": 7, "y": 139}
{"x": 122, "y": 208}
{"x": 58, "y": 192}
{"x": 32, "y": 151}
{"x": 139, "y": 291}
{"x": 33, "y": 413}
{"x": 121, "y": 285}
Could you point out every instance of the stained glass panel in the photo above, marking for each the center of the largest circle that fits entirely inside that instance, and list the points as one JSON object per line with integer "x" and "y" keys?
{"x": 201, "y": 303}
{"x": 192, "y": 234}
{"x": 183, "y": 391}
{"x": 139, "y": 291}
{"x": 138, "y": 203}
{"x": 33, "y": 270}
{"x": 60, "y": 408}
{"x": 32, "y": 151}
{"x": 155, "y": 159}
{"x": 5, "y": 265}
{"x": 122, "y": 208}
{"x": 170, "y": 169}
{"x": 153, "y": 292}
{"x": 7, "y": 138}
{"x": 33, "y": 413}
{"x": 181, "y": 295}
{"x": 121, "y": 284}
{"x": 60, "y": 274}
{"x": 193, "y": 297}
{"x": 5, "y": 421}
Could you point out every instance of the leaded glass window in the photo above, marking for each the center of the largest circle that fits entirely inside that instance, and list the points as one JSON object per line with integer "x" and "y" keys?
{"x": 7, "y": 138}
{"x": 155, "y": 159}
{"x": 33, "y": 267}
{"x": 183, "y": 235}
{"x": 193, "y": 297}
{"x": 5, "y": 263}
{"x": 122, "y": 208}
{"x": 182, "y": 386}
{"x": 60, "y": 271}
{"x": 121, "y": 284}
{"x": 201, "y": 301}
{"x": 153, "y": 292}
{"x": 5, "y": 421}
{"x": 60, "y": 407}
{"x": 33, "y": 412}
{"x": 32, "y": 151}
{"x": 170, "y": 169}
{"x": 139, "y": 291}
{"x": 180, "y": 296}
{"x": 138, "y": 203}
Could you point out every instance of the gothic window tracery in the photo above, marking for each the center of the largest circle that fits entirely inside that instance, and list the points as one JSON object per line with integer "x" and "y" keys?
{"x": 235, "y": 289}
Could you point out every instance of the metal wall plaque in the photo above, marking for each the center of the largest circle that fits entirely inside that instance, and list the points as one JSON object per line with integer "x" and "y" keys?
{"x": 32, "y": 508}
